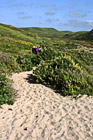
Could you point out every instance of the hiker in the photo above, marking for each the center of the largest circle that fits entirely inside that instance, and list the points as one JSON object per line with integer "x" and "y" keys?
{"x": 39, "y": 49}
{"x": 40, "y": 44}
{"x": 45, "y": 49}
{"x": 36, "y": 49}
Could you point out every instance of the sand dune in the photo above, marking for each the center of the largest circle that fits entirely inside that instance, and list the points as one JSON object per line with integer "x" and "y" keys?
{"x": 41, "y": 114}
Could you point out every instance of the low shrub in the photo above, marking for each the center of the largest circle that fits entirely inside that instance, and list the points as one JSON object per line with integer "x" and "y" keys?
{"x": 9, "y": 64}
{"x": 25, "y": 62}
{"x": 49, "y": 54}
{"x": 5, "y": 91}
{"x": 64, "y": 75}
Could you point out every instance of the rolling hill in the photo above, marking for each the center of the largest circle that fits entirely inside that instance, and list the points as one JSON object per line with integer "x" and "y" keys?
{"x": 82, "y": 35}
{"x": 11, "y": 31}
{"x": 53, "y": 33}
{"x": 47, "y": 32}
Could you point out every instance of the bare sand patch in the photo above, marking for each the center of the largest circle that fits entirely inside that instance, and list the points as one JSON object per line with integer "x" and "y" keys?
{"x": 41, "y": 114}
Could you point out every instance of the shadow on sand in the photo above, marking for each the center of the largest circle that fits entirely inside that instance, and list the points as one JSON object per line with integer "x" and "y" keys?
{"x": 30, "y": 79}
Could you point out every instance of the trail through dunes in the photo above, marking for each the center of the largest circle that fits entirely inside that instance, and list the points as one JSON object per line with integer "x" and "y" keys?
{"x": 41, "y": 114}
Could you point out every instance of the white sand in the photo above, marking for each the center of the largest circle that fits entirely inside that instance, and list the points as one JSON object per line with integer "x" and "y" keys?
{"x": 41, "y": 114}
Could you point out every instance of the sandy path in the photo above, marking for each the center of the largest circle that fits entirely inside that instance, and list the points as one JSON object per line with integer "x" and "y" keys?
{"x": 40, "y": 114}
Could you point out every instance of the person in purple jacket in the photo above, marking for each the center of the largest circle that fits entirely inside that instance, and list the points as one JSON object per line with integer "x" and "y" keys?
{"x": 37, "y": 50}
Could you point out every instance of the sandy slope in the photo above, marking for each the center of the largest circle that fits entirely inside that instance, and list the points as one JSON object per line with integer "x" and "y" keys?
{"x": 41, "y": 114}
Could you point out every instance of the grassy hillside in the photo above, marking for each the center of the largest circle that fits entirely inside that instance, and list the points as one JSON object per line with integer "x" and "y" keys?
{"x": 53, "y": 33}
{"x": 82, "y": 35}
{"x": 46, "y": 32}
{"x": 10, "y": 31}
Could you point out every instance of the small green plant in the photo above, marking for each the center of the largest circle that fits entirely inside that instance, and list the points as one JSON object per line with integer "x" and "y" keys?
{"x": 5, "y": 91}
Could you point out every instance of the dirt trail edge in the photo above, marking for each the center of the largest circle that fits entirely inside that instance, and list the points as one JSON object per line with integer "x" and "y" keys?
{"x": 41, "y": 114}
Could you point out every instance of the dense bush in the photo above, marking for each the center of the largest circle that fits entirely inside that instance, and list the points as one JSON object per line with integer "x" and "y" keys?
{"x": 43, "y": 56}
{"x": 9, "y": 64}
{"x": 64, "y": 75}
{"x": 25, "y": 62}
{"x": 5, "y": 91}
{"x": 84, "y": 58}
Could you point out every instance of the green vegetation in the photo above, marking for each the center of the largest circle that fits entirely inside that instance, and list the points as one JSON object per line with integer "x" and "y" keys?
{"x": 46, "y": 32}
{"x": 66, "y": 66}
{"x": 53, "y": 33}
{"x": 5, "y": 91}
{"x": 82, "y": 35}
{"x": 10, "y": 31}
{"x": 64, "y": 74}
{"x": 14, "y": 46}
